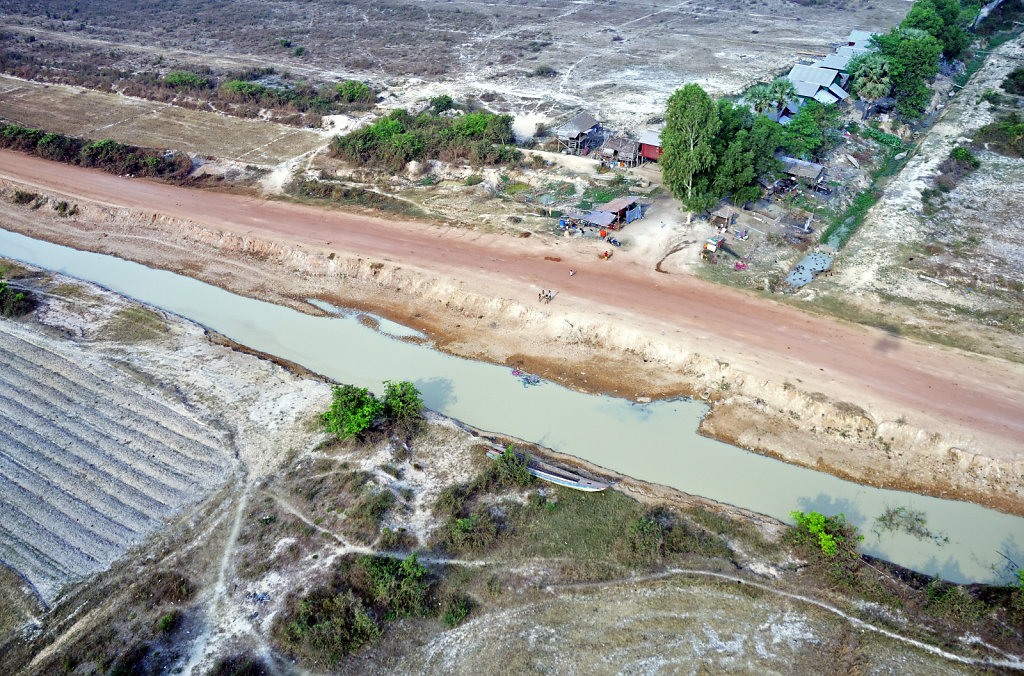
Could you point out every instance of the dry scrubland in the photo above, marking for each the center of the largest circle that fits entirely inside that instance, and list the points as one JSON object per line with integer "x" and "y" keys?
{"x": 99, "y": 115}
{"x": 621, "y": 60}
{"x": 971, "y": 237}
{"x": 223, "y": 571}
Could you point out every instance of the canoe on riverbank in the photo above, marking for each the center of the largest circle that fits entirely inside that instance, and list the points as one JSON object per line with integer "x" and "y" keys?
{"x": 555, "y": 475}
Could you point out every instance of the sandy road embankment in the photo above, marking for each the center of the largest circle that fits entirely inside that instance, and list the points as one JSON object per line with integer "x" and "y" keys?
{"x": 850, "y": 400}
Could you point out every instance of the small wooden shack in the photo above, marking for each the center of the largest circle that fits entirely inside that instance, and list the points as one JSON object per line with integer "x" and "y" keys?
{"x": 650, "y": 145}
{"x": 801, "y": 169}
{"x": 619, "y": 151}
{"x": 580, "y": 133}
{"x": 623, "y": 210}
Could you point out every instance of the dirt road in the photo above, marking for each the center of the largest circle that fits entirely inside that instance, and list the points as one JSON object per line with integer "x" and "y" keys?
{"x": 768, "y": 339}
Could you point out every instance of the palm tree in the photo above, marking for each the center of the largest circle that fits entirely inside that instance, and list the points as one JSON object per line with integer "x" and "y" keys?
{"x": 759, "y": 97}
{"x": 871, "y": 80}
{"x": 782, "y": 90}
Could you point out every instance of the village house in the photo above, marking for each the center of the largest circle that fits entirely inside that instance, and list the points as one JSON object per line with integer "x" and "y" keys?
{"x": 579, "y": 134}
{"x": 620, "y": 152}
{"x": 650, "y": 145}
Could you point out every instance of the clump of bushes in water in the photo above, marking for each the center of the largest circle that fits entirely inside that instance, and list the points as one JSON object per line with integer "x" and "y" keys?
{"x": 390, "y": 143}
{"x": 111, "y": 156}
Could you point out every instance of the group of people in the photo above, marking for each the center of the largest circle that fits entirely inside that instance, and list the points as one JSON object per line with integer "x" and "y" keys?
{"x": 545, "y": 296}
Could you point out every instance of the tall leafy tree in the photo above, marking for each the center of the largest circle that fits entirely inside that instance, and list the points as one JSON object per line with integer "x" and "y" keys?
{"x": 913, "y": 57}
{"x": 812, "y": 131}
{"x": 691, "y": 123}
{"x": 942, "y": 19}
{"x": 871, "y": 79}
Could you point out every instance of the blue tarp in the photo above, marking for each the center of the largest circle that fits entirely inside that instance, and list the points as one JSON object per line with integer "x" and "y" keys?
{"x": 634, "y": 214}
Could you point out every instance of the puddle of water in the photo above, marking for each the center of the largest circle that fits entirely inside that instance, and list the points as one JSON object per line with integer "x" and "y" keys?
{"x": 384, "y": 325}
{"x": 804, "y": 271}
{"x": 653, "y": 442}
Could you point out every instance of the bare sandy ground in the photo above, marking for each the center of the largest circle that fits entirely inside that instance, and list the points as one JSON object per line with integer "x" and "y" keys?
{"x": 854, "y": 401}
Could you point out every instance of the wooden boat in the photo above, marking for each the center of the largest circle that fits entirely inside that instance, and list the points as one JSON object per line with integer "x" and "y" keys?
{"x": 555, "y": 475}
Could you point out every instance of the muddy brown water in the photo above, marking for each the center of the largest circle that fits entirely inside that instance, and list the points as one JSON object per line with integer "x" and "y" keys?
{"x": 655, "y": 442}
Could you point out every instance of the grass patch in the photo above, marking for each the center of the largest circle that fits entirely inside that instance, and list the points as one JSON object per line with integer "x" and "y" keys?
{"x": 134, "y": 325}
{"x": 335, "y": 193}
{"x": 843, "y": 226}
{"x": 363, "y": 519}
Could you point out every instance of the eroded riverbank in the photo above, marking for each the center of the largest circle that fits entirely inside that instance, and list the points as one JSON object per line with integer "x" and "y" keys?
{"x": 796, "y": 414}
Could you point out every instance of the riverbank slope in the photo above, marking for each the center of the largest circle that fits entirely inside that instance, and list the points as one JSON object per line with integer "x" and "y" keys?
{"x": 853, "y": 401}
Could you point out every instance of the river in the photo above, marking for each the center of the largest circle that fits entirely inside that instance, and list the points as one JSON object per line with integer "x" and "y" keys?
{"x": 654, "y": 442}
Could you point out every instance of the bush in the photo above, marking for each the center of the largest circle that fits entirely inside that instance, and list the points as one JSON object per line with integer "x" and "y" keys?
{"x": 239, "y": 665}
{"x": 474, "y": 179}
{"x": 353, "y": 411}
{"x": 403, "y": 405}
{"x": 1004, "y": 136}
{"x": 24, "y": 197}
{"x": 182, "y": 79}
{"x": 1014, "y": 82}
{"x": 472, "y": 534}
{"x": 399, "y": 586}
{"x": 324, "y": 626}
{"x": 393, "y": 141}
{"x": 454, "y": 611}
{"x": 512, "y": 469}
{"x": 646, "y": 538}
{"x": 364, "y": 517}
{"x": 827, "y": 540}
{"x": 354, "y": 91}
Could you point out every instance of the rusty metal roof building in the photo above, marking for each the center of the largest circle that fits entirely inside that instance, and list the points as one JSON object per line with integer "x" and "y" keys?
{"x": 808, "y": 171}
{"x": 622, "y": 146}
{"x": 617, "y": 205}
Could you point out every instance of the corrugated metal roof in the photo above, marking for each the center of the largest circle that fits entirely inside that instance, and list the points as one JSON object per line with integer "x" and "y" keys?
{"x": 860, "y": 38}
{"x": 839, "y": 92}
{"x": 622, "y": 146}
{"x": 834, "y": 61}
{"x": 616, "y": 205}
{"x": 651, "y": 138}
{"x": 795, "y": 167}
{"x": 600, "y": 218}
{"x": 819, "y": 76}
{"x": 805, "y": 89}
{"x": 577, "y": 125}
{"x": 824, "y": 97}
{"x": 852, "y": 51}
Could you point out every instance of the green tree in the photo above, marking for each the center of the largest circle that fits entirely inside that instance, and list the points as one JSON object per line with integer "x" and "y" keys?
{"x": 871, "y": 79}
{"x": 353, "y": 411}
{"x": 802, "y": 135}
{"x": 759, "y": 97}
{"x": 765, "y": 138}
{"x": 691, "y": 123}
{"x": 942, "y": 19}
{"x": 913, "y": 57}
{"x": 403, "y": 405}
{"x": 783, "y": 91}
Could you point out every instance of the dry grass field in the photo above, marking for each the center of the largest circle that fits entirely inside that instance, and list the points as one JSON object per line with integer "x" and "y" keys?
{"x": 619, "y": 59}
{"x": 100, "y": 115}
